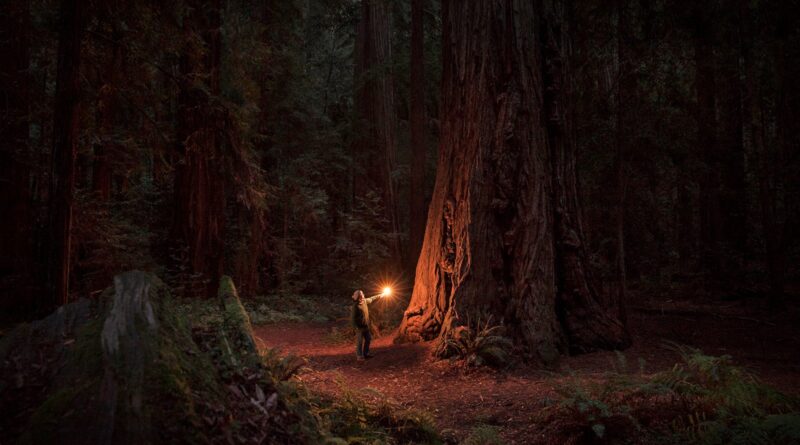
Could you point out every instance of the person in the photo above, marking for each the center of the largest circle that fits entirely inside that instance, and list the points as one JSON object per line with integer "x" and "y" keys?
{"x": 360, "y": 319}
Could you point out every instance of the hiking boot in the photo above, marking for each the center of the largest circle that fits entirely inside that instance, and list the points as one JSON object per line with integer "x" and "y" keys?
{"x": 369, "y": 356}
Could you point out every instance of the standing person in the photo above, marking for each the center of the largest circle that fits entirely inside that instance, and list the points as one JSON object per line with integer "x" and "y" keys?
{"x": 360, "y": 321}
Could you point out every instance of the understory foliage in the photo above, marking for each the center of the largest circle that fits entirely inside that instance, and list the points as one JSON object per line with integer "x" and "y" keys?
{"x": 477, "y": 344}
{"x": 367, "y": 417}
{"x": 703, "y": 399}
{"x": 197, "y": 380}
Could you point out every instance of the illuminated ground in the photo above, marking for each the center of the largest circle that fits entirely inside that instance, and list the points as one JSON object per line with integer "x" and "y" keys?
{"x": 461, "y": 400}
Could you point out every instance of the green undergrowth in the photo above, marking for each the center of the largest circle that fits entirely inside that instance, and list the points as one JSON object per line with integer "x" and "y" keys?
{"x": 272, "y": 309}
{"x": 477, "y": 344}
{"x": 484, "y": 435}
{"x": 165, "y": 376}
{"x": 295, "y": 308}
{"x": 702, "y": 400}
{"x": 366, "y": 416}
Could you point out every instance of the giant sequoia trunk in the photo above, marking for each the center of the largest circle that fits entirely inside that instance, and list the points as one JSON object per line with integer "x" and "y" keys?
{"x": 503, "y": 235}
{"x": 65, "y": 137}
{"x": 198, "y": 224}
{"x": 374, "y": 101}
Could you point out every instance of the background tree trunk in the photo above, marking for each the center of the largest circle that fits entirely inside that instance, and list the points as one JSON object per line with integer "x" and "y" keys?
{"x": 705, "y": 89}
{"x": 588, "y": 322}
{"x": 65, "y": 138}
{"x": 490, "y": 245}
{"x": 198, "y": 224}
{"x": 15, "y": 158}
{"x": 622, "y": 90}
{"x": 419, "y": 145}
{"x": 102, "y": 171}
{"x": 374, "y": 104}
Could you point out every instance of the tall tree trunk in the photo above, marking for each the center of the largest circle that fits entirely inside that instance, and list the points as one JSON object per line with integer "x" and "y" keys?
{"x": 705, "y": 90}
{"x": 588, "y": 323}
{"x": 622, "y": 90}
{"x": 198, "y": 224}
{"x": 419, "y": 144}
{"x": 376, "y": 149}
{"x": 102, "y": 171}
{"x": 492, "y": 244}
{"x": 733, "y": 193}
{"x": 65, "y": 137}
{"x": 15, "y": 159}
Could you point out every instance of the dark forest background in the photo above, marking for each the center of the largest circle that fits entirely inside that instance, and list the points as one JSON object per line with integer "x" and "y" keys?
{"x": 284, "y": 143}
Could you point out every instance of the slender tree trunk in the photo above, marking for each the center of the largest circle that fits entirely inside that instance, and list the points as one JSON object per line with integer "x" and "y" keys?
{"x": 419, "y": 144}
{"x": 705, "y": 89}
{"x": 622, "y": 90}
{"x": 16, "y": 260}
{"x": 492, "y": 244}
{"x": 376, "y": 149}
{"x": 733, "y": 193}
{"x": 65, "y": 137}
{"x": 198, "y": 224}
{"x": 102, "y": 171}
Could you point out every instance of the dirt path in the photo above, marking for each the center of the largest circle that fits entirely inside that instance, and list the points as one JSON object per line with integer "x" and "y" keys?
{"x": 461, "y": 400}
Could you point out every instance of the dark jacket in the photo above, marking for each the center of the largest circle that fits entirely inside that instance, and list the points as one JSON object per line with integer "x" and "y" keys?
{"x": 360, "y": 315}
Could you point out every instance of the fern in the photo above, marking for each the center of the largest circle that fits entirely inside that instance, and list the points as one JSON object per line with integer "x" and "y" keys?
{"x": 477, "y": 345}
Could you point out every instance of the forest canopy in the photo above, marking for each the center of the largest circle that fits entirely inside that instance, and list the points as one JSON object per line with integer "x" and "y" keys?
{"x": 293, "y": 145}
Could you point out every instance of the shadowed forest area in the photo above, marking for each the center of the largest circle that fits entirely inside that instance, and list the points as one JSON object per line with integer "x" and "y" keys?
{"x": 571, "y": 222}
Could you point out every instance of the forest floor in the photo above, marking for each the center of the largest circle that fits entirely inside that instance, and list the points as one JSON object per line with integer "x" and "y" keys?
{"x": 461, "y": 399}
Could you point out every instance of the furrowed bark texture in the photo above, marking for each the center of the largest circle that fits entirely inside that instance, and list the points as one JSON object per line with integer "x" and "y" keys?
{"x": 588, "y": 322}
{"x": 491, "y": 242}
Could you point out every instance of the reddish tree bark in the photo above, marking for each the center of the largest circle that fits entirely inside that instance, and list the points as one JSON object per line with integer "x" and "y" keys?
{"x": 588, "y": 321}
{"x": 502, "y": 234}
{"x": 15, "y": 171}
{"x": 102, "y": 171}
{"x": 419, "y": 145}
{"x": 374, "y": 103}
{"x": 705, "y": 90}
{"x": 199, "y": 213}
{"x": 65, "y": 137}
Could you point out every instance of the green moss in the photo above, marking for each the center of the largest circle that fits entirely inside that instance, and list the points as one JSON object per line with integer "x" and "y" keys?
{"x": 226, "y": 288}
{"x": 57, "y": 408}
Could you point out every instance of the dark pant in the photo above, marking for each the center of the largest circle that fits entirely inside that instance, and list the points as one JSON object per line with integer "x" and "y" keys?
{"x": 363, "y": 337}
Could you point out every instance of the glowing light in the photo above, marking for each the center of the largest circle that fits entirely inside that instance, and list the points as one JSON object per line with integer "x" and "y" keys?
{"x": 387, "y": 291}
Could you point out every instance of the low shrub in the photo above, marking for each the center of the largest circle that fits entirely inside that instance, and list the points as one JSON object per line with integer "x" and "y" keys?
{"x": 703, "y": 399}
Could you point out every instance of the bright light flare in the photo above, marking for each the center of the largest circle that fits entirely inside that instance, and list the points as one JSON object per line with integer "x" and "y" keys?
{"x": 387, "y": 291}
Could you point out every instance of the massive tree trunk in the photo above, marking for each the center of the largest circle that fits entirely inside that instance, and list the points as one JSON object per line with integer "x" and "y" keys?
{"x": 198, "y": 224}
{"x": 419, "y": 145}
{"x": 376, "y": 148}
{"x": 587, "y": 321}
{"x": 503, "y": 231}
{"x": 65, "y": 137}
{"x": 15, "y": 159}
